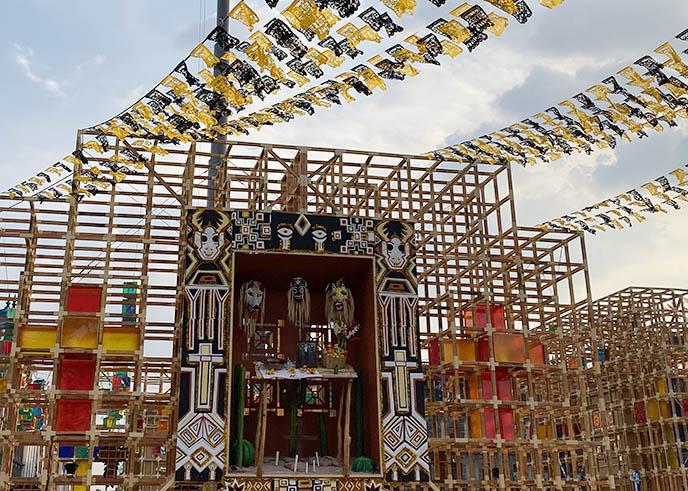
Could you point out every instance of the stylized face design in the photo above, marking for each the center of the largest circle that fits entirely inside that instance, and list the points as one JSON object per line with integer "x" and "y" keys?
{"x": 254, "y": 296}
{"x": 396, "y": 253}
{"x": 319, "y": 235}
{"x": 209, "y": 243}
{"x": 340, "y": 296}
{"x": 285, "y": 233}
{"x": 298, "y": 288}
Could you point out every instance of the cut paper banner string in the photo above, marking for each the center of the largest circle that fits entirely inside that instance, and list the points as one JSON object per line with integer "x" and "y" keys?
{"x": 635, "y": 102}
{"x": 356, "y": 47}
{"x": 664, "y": 194}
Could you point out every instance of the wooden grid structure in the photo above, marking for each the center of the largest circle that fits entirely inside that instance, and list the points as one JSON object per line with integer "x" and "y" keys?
{"x": 474, "y": 265}
{"x": 642, "y": 393}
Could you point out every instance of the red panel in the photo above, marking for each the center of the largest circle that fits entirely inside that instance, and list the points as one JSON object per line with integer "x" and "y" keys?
{"x": 487, "y": 385}
{"x": 506, "y": 424}
{"x": 503, "y": 384}
{"x": 73, "y": 415}
{"x": 483, "y": 349}
{"x": 640, "y": 416}
{"x": 496, "y": 317}
{"x": 434, "y": 352}
{"x": 77, "y": 374}
{"x": 490, "y": 426}
{"x": 84, "y": 299}
{"x": 685, "y": 407}
{"x": 537, "y": 353}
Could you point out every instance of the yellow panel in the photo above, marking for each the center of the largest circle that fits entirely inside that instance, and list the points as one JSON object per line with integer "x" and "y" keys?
{"x": 661, "y": 386}
{"x": 120, "y": 339}
{"x": 544, "y": 432}
{"x": 476, "y": 427}
{"x": 664, "y": 409}
{"x": 3, "y": 385}
{"x": 81, "y": 469}
{"x": 671, "y": 457}
{"x": 466, "y": 348}
{"x": 80, "y": 332}
{"x": 37, "y": 337}
{"x": 653, "y": 410}
{"x": 79, "y": 487}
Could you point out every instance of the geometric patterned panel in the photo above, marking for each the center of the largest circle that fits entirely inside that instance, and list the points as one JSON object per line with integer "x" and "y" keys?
{"x": 200, "y": 429}
{"x": 404, "y": 430}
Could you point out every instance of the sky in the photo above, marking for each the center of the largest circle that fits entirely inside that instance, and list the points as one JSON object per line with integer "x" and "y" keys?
{"x": 74, "y": 63}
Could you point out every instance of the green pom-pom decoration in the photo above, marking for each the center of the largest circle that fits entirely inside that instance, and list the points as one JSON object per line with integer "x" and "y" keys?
{"x": 249, "y": 453}
{"x": 362, "y": 464}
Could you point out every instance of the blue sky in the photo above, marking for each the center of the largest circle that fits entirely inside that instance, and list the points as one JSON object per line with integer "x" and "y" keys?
{"x": 70, "y": 64}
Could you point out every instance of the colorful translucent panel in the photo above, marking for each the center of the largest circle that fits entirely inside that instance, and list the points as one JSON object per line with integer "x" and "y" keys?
{"x": 661, "y": 386}
{"x": 496, "y": 317}
{"x": 120, "y": 339}
{"x": 473, "y": 387}
{"x": 490, "y": 425}
{"x": 509, "y": 348}
{"x": 66, "y": 452}
{"x": 73, "y": 415}
{"x": 506, "y": 423}
{"x": 653, "y": 410}
{"x": 483, "y": 349}
{"x": 465, "y": 348}
{"x": 80, "y": 332}
{"x": 476, "y": 424}
{"x": 536, "y": 351}
{"x": 639, "y": 410}
{"x": 76, "y": 374}
{"x": 37, "y": 337}
{"x": 544, "y": 432}
{"x": 84, "y": 299}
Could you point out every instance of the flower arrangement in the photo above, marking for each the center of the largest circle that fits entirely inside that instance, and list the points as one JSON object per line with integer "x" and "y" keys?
{"x": 335, "y": 354}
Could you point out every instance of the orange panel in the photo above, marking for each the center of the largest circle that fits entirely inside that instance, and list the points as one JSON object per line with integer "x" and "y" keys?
{"x": 37, "y": 337}
{"x": 476, "y": 428}
{"x": 661, "y": 386}
{"x": 537, "y": 353}
{"x": 473, "y": 386}
{"x": 80, "y": 332}
{"x": 466, "y": 350}
{"x": 572, "y": 361}
{"x": 509, "y": 348}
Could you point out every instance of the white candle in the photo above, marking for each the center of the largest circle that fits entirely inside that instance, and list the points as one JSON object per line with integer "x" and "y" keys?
{"x": 296, "y": 463}
{"x": 306, "y": 464}
{"x": 317, "y": 459}
{"x": 277, "y": 458}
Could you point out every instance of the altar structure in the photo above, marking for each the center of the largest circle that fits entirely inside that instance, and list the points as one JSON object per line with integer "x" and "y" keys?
{"x": 151, "y": 340}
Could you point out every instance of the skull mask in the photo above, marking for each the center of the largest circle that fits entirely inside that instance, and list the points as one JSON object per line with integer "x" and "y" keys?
{"x": 395, "y": 252}
{"x": 209, "y": 243}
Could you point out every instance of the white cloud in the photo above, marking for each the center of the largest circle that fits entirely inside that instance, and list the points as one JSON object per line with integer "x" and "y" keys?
{"x": 23, "y": 58}
{"x": 125, "y": 100}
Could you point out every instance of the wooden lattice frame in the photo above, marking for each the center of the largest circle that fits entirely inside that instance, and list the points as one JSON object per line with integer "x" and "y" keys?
{"x": 470, "y": 253}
